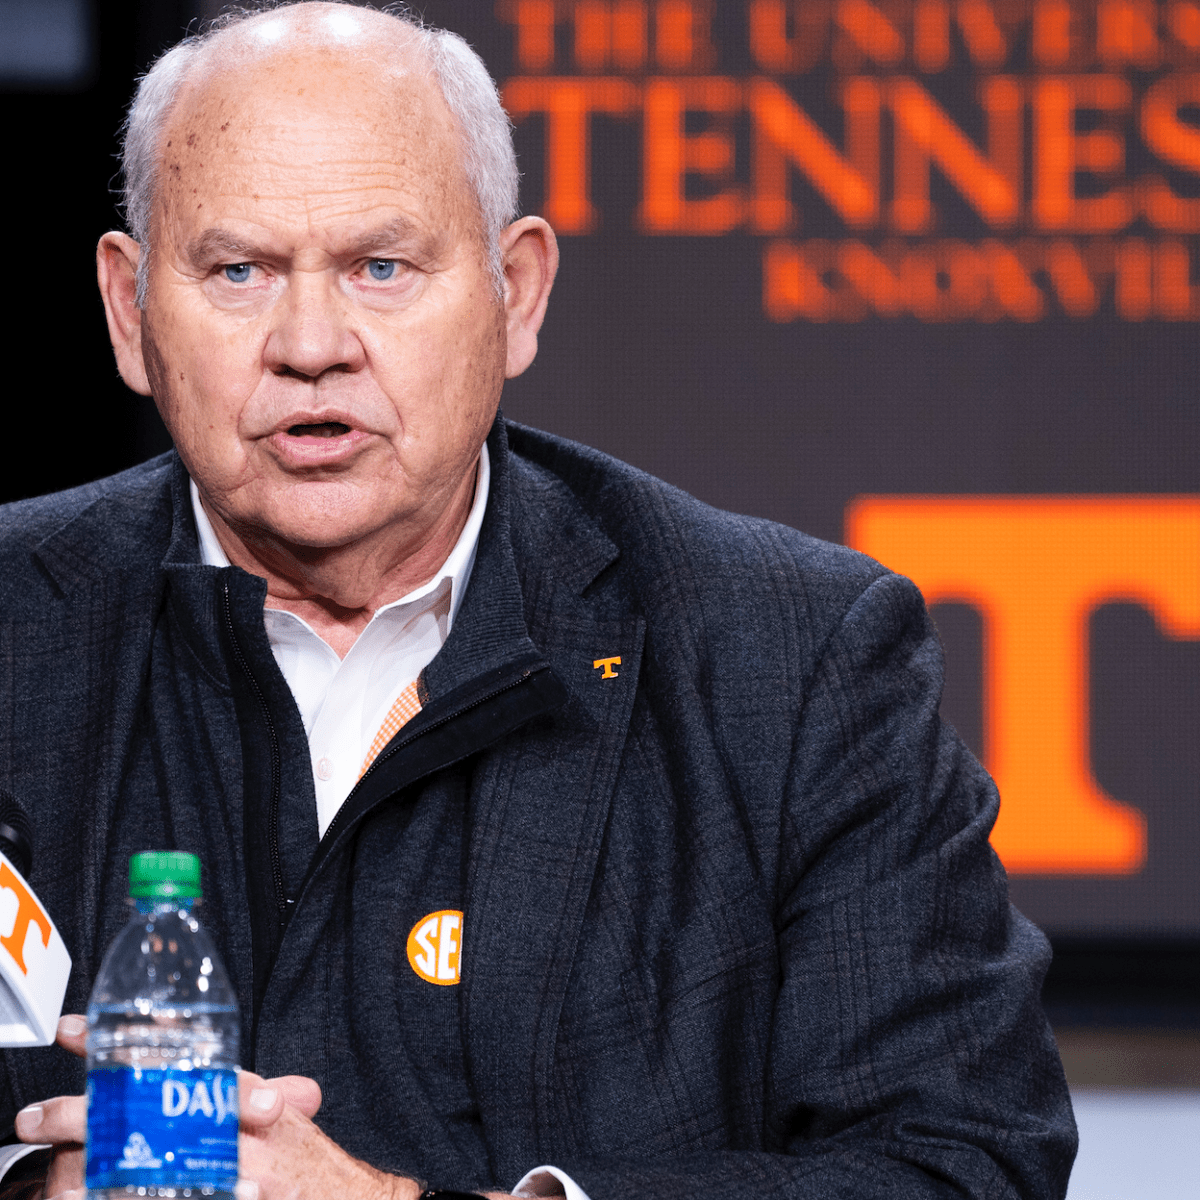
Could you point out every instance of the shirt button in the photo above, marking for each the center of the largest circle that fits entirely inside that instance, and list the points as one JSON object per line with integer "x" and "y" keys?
{"x": 324, "y": 768}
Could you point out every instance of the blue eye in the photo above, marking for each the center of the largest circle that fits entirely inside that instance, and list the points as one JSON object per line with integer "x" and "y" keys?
{"x": 381, "y": 269}
{"x": 237, "y": 272}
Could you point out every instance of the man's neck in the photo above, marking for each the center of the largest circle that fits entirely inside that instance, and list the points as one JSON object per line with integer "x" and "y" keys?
{"x": 316, "y": 594}
{"x": 337, "y": 590}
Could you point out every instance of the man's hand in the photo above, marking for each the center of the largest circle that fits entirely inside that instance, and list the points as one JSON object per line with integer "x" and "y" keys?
{"x": 282, "y": 1155}
{"x": 62, "y": 1122}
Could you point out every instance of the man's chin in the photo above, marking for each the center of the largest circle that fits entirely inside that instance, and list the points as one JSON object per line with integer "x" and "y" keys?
{"x": 316, "y": 517}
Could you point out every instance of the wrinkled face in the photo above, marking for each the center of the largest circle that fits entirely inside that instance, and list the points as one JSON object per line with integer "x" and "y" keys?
{"x": 321, "y": 333}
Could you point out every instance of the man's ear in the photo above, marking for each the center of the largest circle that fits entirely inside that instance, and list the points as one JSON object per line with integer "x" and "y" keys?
{"x": 529, "y": 251}
{"x": 116, "y": 271}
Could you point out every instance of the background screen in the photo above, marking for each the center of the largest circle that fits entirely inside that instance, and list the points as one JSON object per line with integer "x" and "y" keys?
{"x": 917, "y": 275}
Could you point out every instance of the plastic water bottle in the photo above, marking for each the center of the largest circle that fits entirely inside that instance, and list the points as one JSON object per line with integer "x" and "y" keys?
{"x": 162, "y": 1047}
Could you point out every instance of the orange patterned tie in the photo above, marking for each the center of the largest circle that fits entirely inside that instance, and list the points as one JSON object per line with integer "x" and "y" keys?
{"x": 406, "y": 707}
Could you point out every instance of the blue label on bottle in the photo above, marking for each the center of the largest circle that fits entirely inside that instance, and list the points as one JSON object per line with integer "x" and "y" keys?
{"x": 162, "y": 1128}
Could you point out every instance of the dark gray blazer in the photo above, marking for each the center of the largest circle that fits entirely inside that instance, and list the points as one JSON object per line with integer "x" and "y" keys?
{"x": 733, "y": 924}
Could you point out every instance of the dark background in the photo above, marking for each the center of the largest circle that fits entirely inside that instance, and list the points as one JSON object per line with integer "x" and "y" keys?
{"x": 657, "y": 351}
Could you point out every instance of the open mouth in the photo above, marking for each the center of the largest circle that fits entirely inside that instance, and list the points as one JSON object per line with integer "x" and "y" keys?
{"x": 326, "y": 429}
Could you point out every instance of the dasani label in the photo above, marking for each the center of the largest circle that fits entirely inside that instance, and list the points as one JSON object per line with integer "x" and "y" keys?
{"x": 162, "y": 1128}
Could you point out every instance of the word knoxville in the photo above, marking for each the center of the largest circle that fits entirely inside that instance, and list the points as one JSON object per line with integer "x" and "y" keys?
{"x": 946, "y": 279}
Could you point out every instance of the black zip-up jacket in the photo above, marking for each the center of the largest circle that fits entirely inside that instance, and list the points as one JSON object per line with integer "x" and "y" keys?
{"x": 733, "y": 927}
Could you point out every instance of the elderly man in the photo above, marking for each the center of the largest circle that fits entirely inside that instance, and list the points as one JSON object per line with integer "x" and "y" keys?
{"x": 552, "y": 823}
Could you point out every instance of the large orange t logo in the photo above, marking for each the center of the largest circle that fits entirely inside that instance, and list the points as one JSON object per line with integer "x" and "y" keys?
{"x": 1035, "y": 568}
{"x": 29, "y": 912}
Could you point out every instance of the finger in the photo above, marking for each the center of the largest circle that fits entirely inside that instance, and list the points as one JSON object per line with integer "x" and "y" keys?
{"x": 66, "y": 1171}
{"x": 261, "y": 1102}
{"x": 300, "y": 1092}
{"x": 63, "y": 1119}
{"x": 72, "y": 1034}
{"x": 73, "y": 1194}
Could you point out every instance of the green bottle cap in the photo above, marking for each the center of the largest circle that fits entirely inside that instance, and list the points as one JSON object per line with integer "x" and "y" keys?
{"x": 164, "y": 873}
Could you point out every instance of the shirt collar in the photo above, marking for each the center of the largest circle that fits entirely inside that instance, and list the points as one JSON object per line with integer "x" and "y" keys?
{"x": 456, "y": 570}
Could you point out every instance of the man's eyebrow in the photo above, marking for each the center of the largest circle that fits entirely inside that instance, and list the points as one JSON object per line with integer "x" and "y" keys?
{"x": 397, "y": 234}
{"x": 216, "y": 245}
{"x": 219, "y": 245}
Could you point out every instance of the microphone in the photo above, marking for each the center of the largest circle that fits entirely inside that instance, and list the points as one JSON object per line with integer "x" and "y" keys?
{"x": 34, "y": 963}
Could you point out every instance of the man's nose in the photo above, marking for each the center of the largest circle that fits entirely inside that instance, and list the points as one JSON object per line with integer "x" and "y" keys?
{"x": 312, "y": 332}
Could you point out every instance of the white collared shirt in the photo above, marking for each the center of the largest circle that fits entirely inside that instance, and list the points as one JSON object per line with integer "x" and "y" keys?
{"x": 343, "y": 702}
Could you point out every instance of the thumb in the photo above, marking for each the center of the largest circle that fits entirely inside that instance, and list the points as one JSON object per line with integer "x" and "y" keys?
{"x": 300, "y": 1092}
{"x": 72, "y": 1034}
{"x": 260, "y": 1103}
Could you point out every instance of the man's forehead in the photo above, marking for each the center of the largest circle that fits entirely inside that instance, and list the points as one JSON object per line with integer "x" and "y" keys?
{"x": 345, "y": 90}
{"x": 253, "y": 62}
{"x": 271, "y": 61}
{"x": 272, "y": 104}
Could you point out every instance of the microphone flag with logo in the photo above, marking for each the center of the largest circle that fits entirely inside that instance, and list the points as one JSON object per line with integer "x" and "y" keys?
{"x": 34, "y": 963}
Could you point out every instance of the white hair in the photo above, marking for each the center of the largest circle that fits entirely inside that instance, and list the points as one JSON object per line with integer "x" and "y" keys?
{"x": 489, "y": 159}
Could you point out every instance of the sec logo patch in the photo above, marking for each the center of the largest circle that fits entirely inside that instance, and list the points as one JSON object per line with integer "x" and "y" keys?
{"x": 435, "y": 947}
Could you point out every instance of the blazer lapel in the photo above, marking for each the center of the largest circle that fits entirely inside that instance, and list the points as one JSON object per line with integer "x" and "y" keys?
{"x": 539, "y": 807}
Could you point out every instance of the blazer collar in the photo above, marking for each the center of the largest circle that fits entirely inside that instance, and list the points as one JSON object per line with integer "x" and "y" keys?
{"x": 491, "y": 628}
